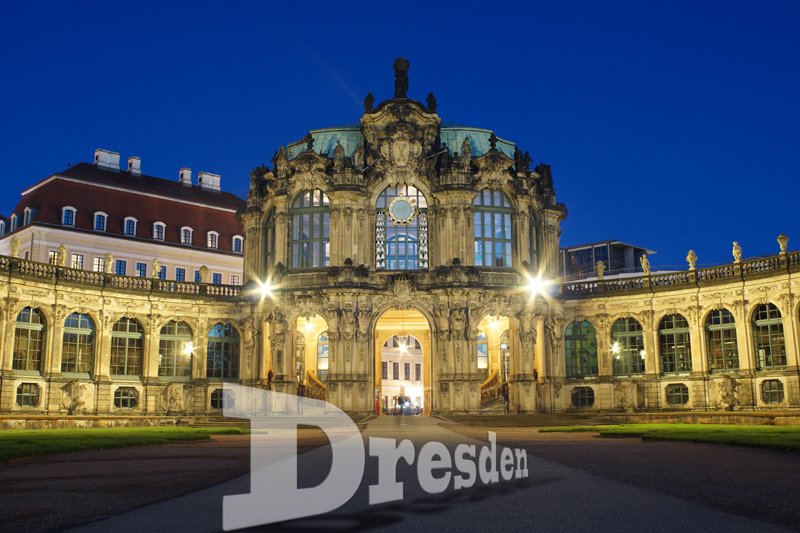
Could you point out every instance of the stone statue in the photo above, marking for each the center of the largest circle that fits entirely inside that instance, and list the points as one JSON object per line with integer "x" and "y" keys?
{"x": 737, "y": 252}
{"x": 493, "y": 143}
{"x": 545, "y": 176}
{"x": 466, "y": 154}
{"x": 109, "y": 263}
{"x": 255, "y": 176}
{"x": 309, "y": 140}
{"x": 444, "y": 157}
{"x": 338, "y": 157}
{"x": 692, "y": 259}
{"x": 600, "y": 267}
{"x": 368, "y": 101}
{"x": 645, "y": 264}
{"x": 281, "y": 161}
{"x": 358, "y": 157}
{"x": 62, "y": 256}
{"x": 401, "y": 77}
{"x": 431, "y": 101}
{"x": 203, "y": 273}
{"x": 459, "y": 320}
{"x": 15, "y": 246}
{"x": 522, "y": 162}
{"x": 156, "y": 269}
{"x": 72, "y": 397}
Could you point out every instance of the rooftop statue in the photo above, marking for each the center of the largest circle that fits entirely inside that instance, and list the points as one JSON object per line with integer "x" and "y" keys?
{"x": 358, "y": 158}
{"x": 466, "y": 154}
{"x": 368, "y": 101}
{"x": 281, "y": 161}
{"x": 401, "y": 77}
{"x": 645, "y": 264}
{"x": 338, "y": 156}
{"x": 545, "y": 176}
{"x": 431, "y": 101}
{"x": 737, "y": 252}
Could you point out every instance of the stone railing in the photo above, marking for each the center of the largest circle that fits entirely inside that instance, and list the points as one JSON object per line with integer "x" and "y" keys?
{"x": 310, "y": 392}
{"x": 55, "y": 274}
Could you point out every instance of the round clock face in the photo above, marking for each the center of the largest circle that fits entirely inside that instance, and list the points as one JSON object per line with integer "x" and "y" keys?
{"x": 401, "y": 210}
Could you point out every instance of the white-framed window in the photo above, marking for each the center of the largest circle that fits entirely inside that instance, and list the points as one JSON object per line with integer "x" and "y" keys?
{"x": 77, "y": 261}
{"x": 234, "y": 279}
{"x": 68, "y": 214}
{"x": 27, "y": 216}
{"x": 216, "y": 279}
{"x": 212, "y": 239}
{"x": 99, "y": 264}
{"x": 186, "y": 235}
{"x": 129, "y": 226}
{"x": 159, "y": 229}
{"x": 100, "y": 221}
{"x": 52, "y": 257}
{"x": 2, "y": 227}
{"x": 238, "y": 244}
{"x": 141, "y": 270}
{"x": 13, "y": 222}
{"x": 197, "y": 276}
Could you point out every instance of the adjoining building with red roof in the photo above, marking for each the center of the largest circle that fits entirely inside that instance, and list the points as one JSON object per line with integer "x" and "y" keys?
{"x": 97, "y": 208}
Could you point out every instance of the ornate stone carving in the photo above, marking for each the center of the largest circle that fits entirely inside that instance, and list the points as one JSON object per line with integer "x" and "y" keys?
{"x": 62, "y": 256}
{"x": 645, "y": 264}
{"x": 15, "y": 242}
{"x": 692, "y": 259}
{"x": 72, "y": 397}
{"x": 600, "y": 267}
{"x": 783, "y": 241}
{"x": 737, "y": 252}
{"x": 174, "y": 398}
{"x": 727, "y": 393}
{"x": 401, "y": 66}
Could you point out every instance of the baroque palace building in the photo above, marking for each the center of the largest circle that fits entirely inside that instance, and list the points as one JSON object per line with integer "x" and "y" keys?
{"x": 401, "y": 227}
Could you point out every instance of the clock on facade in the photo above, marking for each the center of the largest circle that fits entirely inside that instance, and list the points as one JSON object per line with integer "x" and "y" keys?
{"x": 402, "y": 209}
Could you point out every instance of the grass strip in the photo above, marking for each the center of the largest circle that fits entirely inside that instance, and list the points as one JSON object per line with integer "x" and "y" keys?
{"x": 17, "y": 444}
{"x": 572, "y": 429}
{"x": 781, "y": 438}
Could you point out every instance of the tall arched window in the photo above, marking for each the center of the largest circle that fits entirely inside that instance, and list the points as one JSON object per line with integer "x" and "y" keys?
{"x": 223, "y": 352}
{"x": 175, "y": 350}
{"x": 768, "y": 337}
{"x": 29, "y": 336}
{"x": 483, "y": 356}
{"x": 493, "y": 229}
{"x": 127, "y": 339}
{"x": 505, "y": 355}
{"x": 311, "y": 229}
{"x": 401, "y": 229}
{"x": 627, "y": 347}
{"x": 723, "y": 351}
{"x": 269, "y": 230}
{"x": 674, "y": 344}
{"x": 580, "y": 350}
{"x": 77, "y": 351}
{"x": 535, "y": 244}
{"x": 322, "y": 356}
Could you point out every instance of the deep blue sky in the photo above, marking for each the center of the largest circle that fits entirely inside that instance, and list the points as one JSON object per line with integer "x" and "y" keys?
{"x": 668, "y": 125}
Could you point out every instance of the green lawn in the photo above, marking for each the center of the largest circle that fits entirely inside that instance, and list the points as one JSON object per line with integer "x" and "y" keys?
{"x": 769, "y": 437}
{"x": 16, "y": 444}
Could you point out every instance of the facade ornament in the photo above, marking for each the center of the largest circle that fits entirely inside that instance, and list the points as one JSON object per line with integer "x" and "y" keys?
{"x": 600, "y": 267}
{"x": 338, "y": 157}
{"x": 368, "y": 103}
{"x": 358, "y": 158}
{"x": 431, "y": 101}
{"x": 62, "y": 256}
{"x": 557, "y": 388}
{"x": 443, "y": 158}
{"x": 645, "y": 264}
{"x": 109, "y": 262}
{"x": 15, "y": 246}
{"x": 281, "y": 162}
{"x": 692, "y": 259}
{"x": 174, "y": 398}
{"x": 727, "y": 394}
{"x": 545, "y": 176}
{"x": 466, "y": 154}
{"x": 156, "y": 269}
{"x": 401, "y": 66}
{"x": 309, "y": 140}
{"x": 72, "y": 397}
{"x": 737, "y": 252}
{"x": 203, "y": 273}
{"x": 783, "y": 241}
{"x": 522, "y": 162}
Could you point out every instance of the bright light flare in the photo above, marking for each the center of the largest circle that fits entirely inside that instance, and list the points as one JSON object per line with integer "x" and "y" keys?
{"x": 265, "y": 289}
{"x": 493, "y": 323}
{"x": 188, "y": 348}
{"x": 403, "y": 348}
{"x": 538, "y": 285}
{"x": 309, "y": 326}
{"x": 642, "y": 353}
{"x": 615, "y": 348}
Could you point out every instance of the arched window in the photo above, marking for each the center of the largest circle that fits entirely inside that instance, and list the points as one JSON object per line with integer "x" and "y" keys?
{"x": 768, "y": 337}
{"x": 723, "y": 351}
{"x": 627, "y": 347}
{"x": 77, "y": 351}
{"x": 311, "y": 228}
{"x": 580, "y": 350}
{"x": 29, "y": 336}
{"x": 269, "y": 228}
{"x": 300, "y": 355}
{"x": 223, "y": 352}
{"x": 127, "y": 340}
{"x": 322, "y": 356}
{"x": 505, "y": 355}
{"x": 401, "y": 229}
{"x": 535, "y": 243}
{"x": 674, "y": 344}
{"x": 483, "y": 356}
{"x": 492, "y": 229}
{"x": 175, "y": 350}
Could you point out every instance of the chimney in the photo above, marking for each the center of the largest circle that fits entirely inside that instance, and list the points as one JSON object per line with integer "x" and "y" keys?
{"x": 135, "y": 165}
{"x": 185, "y": 177}
{"x": 208, "y": 181}
{"x": 106, "y": 159}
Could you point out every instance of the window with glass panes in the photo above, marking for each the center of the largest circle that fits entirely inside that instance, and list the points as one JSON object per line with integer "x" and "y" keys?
{"x": 126, "y": 398}
{"x": 197, "y": 276}
{"x": 721, "y": 344}
{"x": 216, "y": 278}
{"x": 180, "y": 274}
{"x": 234, "y": 279}
{"x": 158, "y": 232}
{"x": 237, "y": 244}
{"x": 175, "y": 350}
{"x": 627, "y": 347}
{"x": 677, "y": 394}
{"x": 222, "y": 399}
{"x": 417, "y": 372}
{"x": 322, "y": 356}
{"x": 99, "y": 264}
{"x": 505, "y": 356}
{"x": 212, "y": 240}
{"x": 580, "y": 350}
{"x": 52, "y": 257}
{"x": 269, "y": 230}
{"x": 535, "y": 243}
{"x": 674, "y": 344}
{"x": 141, "y": 270}
{"x": 493, "y": 229}
{"x": 77, "y": 261}
{"x": 401, "y": 246}
{"x": 77, "y": 350}
{"x": 69, "y": 217}
{"x": 311, "y": 227}
{"x": 121, "y": 267}
{"x": 407, "y": 371}
{"x": 29, "y": 335}
{"x": 223, "y": 352}
{"x": 127, "y": 341}
{"x": 28, "y": 395}
{"x": 768, "y": 336}
{"x": 483, "y": 356}
{"x": 582, "y": 397}
{"x": 100, "y": 222}
{"x": 130, "y": 227}
{"x": 396, "y": 371}
{"x": 384, "y": 370}
{"x": 772, "y": 391}
{"x": 162, "y": 274}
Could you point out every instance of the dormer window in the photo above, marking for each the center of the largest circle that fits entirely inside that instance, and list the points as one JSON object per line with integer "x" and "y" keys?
{"x": 27, "y": 216}
{"x": 130, "y": 226}
{"x": 213, "y": 237}
{"x": 186, "y": 235}
{"x": 2, "y": 227}
{"x": 13, "y": 222}
{"x": 158, "y": 231}
{"x": 237, "y": 244}
{"x": 68, "y": 216}
{"x": 100, "y": 220}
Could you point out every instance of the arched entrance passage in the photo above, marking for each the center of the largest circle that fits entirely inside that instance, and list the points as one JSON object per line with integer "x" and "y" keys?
{"x": 403, "y": 364}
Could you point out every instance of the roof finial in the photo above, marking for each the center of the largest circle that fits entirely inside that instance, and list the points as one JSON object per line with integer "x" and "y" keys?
{"x": 401, "y": 77}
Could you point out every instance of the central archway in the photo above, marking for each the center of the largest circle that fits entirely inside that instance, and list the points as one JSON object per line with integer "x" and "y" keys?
{"x": 403, "y": 363}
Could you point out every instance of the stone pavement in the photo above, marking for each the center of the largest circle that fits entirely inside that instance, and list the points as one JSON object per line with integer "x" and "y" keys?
{"x": 554, "y": 498}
